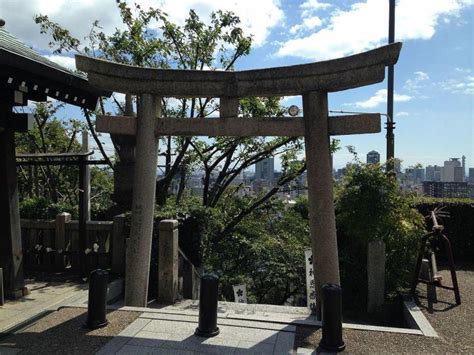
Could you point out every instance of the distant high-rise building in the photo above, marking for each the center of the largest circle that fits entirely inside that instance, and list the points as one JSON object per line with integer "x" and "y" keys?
{"x": 415, "y": 175}
{"x": 265, "y": 169}
{"x": 433, "y": 173}
{"x": 471, "y": 175}
{"x": 448, "y": 172}
{"x": 445, "y": 189}
{"x": 458, "y": 174}
{"x": 373, "y": 157}
{"x": 463, "y": 159}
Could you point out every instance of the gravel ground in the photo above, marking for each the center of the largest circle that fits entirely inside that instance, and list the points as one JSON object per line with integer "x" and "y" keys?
{"x": 62, "y": 332}
{"x": 453, "y": 324}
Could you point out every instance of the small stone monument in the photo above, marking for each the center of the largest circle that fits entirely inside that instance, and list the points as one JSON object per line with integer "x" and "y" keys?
{"x": 375, "y": 275}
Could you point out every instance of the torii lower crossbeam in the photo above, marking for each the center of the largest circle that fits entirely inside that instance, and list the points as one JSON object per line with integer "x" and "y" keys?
{"x": 238, "y": 126}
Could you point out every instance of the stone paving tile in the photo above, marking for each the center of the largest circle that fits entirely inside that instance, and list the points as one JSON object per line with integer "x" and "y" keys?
{"x": 133, "y": 349}
{"x": 305, "y": 351}
{"x": 253, "y": 335}
{"x": 284, "y": 343}
{"x": 250, "y": 347}
{"x": 222, "y": 347}
{"x": 149, "y": 339}
{"x": 166, "y": 326}
{"x": 165, "y": 333}
{"x": 241, "y": 320}
{"x": 125, "y": 335}
{"x": 172, "y": 317}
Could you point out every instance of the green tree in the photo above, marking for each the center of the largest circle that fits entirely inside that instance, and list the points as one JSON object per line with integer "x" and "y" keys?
{"x": 370, "y": 206}
{"x": 265, "y": 251}
{"x": 44, "y": 189}
{"x": 49, "y": 135}
{"x": 196, "y": 46}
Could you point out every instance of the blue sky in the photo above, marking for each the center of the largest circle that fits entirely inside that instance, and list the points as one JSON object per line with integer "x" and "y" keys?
{"x": 434, "y": 78}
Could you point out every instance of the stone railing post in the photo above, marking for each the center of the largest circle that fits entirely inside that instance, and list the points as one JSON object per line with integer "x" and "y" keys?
{"x": 375, "y": 275}
{"x": 118, "y": 245}
{"x": 60, "y": 240}
{"x": 168, "y": 261}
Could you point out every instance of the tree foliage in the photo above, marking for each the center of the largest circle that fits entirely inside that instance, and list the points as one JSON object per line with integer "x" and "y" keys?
{"x": 265, "y": 251}
{"x": 46, "y": 190}
{"x": 148, "y": 38}
{"x": 370, "y": 206}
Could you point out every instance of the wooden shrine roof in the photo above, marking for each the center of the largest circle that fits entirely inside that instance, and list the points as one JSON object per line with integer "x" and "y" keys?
{"x": 25, "y": 70}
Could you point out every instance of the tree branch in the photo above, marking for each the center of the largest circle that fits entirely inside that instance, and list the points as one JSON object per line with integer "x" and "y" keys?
{"x": 245, "y": 212}
{"x": 96, "y": 138}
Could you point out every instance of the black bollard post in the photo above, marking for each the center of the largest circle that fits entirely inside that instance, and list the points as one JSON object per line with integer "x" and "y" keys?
{"x": 332, "y": 318}
{"x": 97, "y": 304}
{"x": 2, "y": 297}
{"x": 208, "y": 307}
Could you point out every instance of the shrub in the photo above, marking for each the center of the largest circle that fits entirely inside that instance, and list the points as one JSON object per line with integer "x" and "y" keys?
{"x": 265, "y": 251}
{"x": 43, "y": 208}
{"x": 370, "y": 206}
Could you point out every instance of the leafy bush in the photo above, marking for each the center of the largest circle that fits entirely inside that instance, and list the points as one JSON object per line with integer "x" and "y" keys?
{"x": 43, "y": 208}
{"x": 265, "y": 251}
{"x": 370, "y": 206}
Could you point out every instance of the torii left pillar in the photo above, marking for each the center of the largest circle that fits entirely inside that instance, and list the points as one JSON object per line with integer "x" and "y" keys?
{"x": 143, "y": 205}
{"x": 11, "y": 253}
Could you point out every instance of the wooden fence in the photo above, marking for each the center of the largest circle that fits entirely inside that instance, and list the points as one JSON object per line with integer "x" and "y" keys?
{"x": 53, "y": 245}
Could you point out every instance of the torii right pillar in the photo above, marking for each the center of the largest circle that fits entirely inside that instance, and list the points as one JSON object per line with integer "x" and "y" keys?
{"x": 322, "y": 219}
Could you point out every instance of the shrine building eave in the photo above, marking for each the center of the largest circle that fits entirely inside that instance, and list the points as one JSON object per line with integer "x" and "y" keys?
{"x": 331, "y": 75}
{"x": 24, "y": 70}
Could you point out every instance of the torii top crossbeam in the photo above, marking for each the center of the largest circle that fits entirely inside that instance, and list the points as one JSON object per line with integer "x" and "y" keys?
{"x": 312, "y": 81}
{"x": 331, "y": 75}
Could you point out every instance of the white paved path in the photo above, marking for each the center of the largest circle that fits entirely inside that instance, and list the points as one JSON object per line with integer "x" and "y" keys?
{"x": 164, "y": 332}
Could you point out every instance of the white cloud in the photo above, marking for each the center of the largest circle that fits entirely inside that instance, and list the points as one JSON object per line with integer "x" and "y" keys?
{"x": 257, "y": 17}
{"x": 378, "y": 98}
{"x": 463, "y": 70}
{"x": 464, "y": 85}
{"x": 402, "y": 114}
{"x": 309, "y": 23}
{"x": 417, "y": 83}
{"x": 311, "y": 6}
{"x": 364, "y": 26}
{"x": 68, "y": 62}
{"x": 420, "y": 76}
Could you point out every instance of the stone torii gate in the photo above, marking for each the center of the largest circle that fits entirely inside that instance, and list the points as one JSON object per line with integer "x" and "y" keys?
{"x": 312, "y": 81}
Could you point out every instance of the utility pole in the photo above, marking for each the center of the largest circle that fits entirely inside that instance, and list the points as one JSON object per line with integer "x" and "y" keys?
{"x": 390, "y": 122}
